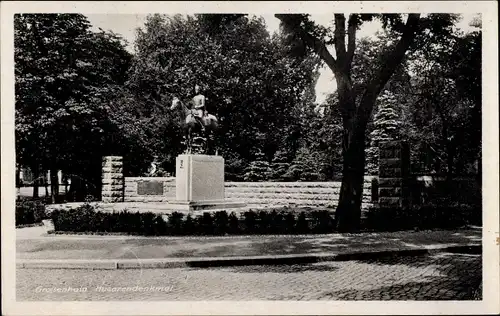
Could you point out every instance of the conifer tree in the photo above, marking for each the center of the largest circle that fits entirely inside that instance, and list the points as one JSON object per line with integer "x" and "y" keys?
{"x": 259, "y": 169}
{"x": 386, "y": 128}
{"x": 279, "y": 165}
{"x": 307, "y": 166}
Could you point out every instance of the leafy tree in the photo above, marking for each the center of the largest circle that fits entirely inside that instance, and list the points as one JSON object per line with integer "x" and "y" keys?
{"x": 446, "y": 116}
{"x": 356, "y": 107}
{"x": 63, "y": 71}
{"x": 251, "y": 85}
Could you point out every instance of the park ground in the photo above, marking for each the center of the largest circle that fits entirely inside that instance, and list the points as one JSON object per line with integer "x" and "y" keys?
{"x": 449, "y": 270}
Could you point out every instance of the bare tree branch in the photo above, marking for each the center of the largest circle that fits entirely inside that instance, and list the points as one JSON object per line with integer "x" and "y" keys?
{"x": 389, "y": 65}
{"x": 316, "y": 44}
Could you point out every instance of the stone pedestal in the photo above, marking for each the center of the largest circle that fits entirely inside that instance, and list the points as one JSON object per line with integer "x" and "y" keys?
{"x": 199, "y": 184}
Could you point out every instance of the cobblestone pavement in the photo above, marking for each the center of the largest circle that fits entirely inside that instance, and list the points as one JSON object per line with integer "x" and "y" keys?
{"x": 443, "y": 276}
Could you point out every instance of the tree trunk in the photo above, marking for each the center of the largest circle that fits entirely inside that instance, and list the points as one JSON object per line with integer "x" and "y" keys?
{"x": 348, "y": 213}
{"x": 65, "y": 180}
{"x": 354, "y": 118}
{"x": 36, "y": 174}
{"x": 46, "y": 185}
{"x": 77, "y": 189}
{"x": 73, "y": 189}
{"x": 18, "y": 182}
{"x": 54, "y": 186}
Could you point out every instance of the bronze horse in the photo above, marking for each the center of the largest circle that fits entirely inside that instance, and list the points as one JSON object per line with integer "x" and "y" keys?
{"x": 206, "y": 125}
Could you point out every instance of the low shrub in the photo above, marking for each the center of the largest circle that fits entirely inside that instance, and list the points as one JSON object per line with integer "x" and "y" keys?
{"x": 221, "y": 221}
{"x": 205, "y": 224}
{"x": 263, "y": 222}
{"x": 302, "y": 226}
{"x": 289, "y": 223}
{"x": 277, "y": 222}
{"x": 422, "y": 217}
{"x": 249, "y": 222}
{"x": 87, "y": 219}
{"x": 234, "y": 226}
{"x": 30, "y": 212}
{"x": 189, "y": 226}
{"x": 147, "y": 224}
{"x": 174, "y": 225}
{"x": 322, "y": 222}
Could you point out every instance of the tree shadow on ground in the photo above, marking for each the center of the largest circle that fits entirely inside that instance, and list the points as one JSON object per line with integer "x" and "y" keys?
{"x": 411, "y": 291}
{"x": 329, "y": 244}
{"x": 364, "y": 242}
{"x": 456, "y": 277}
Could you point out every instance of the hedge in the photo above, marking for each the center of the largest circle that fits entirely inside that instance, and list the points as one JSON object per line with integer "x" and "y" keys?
{"x": 30, "y": 212}
{"x": 422, "y": 217}
{"x": 86, "y": 219}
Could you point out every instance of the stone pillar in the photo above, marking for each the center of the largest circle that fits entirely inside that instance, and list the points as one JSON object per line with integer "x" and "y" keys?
{"x": 112, "y": 179}
{"x": 394, "y": 164}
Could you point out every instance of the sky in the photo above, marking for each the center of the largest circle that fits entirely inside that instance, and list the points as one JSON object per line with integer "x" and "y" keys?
{"x": 126, "y": 24}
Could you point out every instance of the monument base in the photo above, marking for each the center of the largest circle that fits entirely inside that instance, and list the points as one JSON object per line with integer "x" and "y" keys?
{"x": 204, "y": 205}
{"x": 199, "y": 182}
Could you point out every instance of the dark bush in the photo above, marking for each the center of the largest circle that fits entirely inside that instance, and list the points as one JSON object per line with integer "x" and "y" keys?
{"x": 97, "y": 222}
{"x": 111, "y": 222}
{"x": 249, "y": 222}
{"x": 277, "y": 222}
{"x": 160, "y": 227}
{"x": 87, "y": 219}
{"x": 30, "y": 212}
{"x": 221, "y": 221}
{"x": 302, "y": 226}
{"x": 206, "y": 224}
{"x": 189, "y": 225}
{"x": 264, "y": 222}
{"x": 147, "y": 224}
{"x": 289, "y": 223}
{"x": 233, "y": 224}
{"x": 174, "y": 223}
{"x": 422, "y": 217}
{"x": 321, "y": 222}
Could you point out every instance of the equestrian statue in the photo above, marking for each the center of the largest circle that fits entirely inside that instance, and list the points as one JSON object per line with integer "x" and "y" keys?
{"x": 195, "y": 120}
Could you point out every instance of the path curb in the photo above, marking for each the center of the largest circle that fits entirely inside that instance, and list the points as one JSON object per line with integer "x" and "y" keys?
{"x": 171, "y": 263}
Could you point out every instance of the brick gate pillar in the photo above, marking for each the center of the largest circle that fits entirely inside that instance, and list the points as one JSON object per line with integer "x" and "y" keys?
{"x": 394, "y": 167}
{"x": 112, "y": 179}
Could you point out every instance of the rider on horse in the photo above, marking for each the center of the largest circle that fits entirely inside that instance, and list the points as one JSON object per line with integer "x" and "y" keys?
{"x": 199, "y": 106}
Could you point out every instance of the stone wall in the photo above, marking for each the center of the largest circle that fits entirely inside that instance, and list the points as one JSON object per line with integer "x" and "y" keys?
{"x": 112, "y": 179}
{"x": 149, "y": 189}
{"x": 157, "y": 189}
